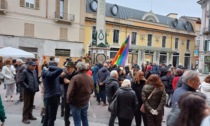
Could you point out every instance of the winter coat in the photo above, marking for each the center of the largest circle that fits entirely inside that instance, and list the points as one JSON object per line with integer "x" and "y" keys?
{"x": 157, "y": 100}
{"x": 2, "y": 111}
{"x": 29, "y": 81}
{"x": 137, "y": 87}
{"x": 94, "y": 72}
{"x": 51, "y": 83}
{"x": 175, "y": 81}
{"x": 112, "y": 86}
{"x": 103, "y": 73}
{"x": 155, "y": 69}
{"x": 20, "y": 71}
{"x": 179, "y": 83}
{"x": 127, "y": 103}
{"x": 205, "y": 89}
{"x": 166, "y": 80}
{"x": 79, "y": 90}
{"x": 181, "y": 91}
{"x": 9, "y": 74}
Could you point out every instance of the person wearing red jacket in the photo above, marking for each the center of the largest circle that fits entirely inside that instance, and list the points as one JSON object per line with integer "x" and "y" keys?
{"x": 179, "y": 73}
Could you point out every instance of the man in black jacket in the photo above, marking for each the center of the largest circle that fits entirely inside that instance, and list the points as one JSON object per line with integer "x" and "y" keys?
{"x": 112, "y": 86}
{"x": 52, "y": 92}
{"x": 29, "y": 81}
{"x": 66, "y": 78}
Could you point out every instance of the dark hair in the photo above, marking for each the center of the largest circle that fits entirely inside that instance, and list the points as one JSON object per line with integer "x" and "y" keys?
{"x": 52, "y": 58}
{"x": 207, "y": 79}
{"x": 192, "y": 107}
{"x": 179, "y": 72}
{"x": 155, "y": 80}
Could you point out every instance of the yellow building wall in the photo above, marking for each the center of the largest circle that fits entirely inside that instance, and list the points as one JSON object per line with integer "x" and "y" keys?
{"x": 142, "y": 37}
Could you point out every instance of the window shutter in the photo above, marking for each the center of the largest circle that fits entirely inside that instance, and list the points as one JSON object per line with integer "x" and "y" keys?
{"x": 22, "y": 3}
{"x": 29, "y": 30}
{"x": 57, "y": 13}
{"x": 32, "y": 30}
{"x": 37, "y": 4}
{"x": 26, "y": 29}
{"x": 63, "y": 33}
{"x": 65, "y": 10}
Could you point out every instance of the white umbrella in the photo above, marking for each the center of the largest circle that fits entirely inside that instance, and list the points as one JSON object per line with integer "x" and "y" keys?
{"x": 13, "y": 52}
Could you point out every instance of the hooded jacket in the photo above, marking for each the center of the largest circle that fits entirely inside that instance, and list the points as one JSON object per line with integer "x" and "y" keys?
{"x": 112, "y": 86}
{"x": 205, "y": 89}
{"x": 51, "y": 81}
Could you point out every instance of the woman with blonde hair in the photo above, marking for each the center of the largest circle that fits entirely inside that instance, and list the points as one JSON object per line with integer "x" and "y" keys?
{"x": 126, "y": 103}
{"x": 8, "y": 71}
{"x": 154, "y": 106}
{"x": 205, "y": 88}
{"x": 137, "y": 85}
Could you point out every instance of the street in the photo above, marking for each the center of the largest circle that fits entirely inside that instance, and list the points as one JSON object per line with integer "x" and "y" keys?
{"x": 98, "y": 114}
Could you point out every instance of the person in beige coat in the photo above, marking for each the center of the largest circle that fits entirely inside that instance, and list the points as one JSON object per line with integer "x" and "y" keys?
{"x": 8, "y": 71}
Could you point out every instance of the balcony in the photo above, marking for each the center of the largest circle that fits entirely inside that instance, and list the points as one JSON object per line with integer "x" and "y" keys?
{"x": 206, "y": 31}
{"x": 3, "y": 7}
{"x": 61, "y": 17}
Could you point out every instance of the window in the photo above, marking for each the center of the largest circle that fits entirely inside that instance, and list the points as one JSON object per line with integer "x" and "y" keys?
{"x": 187, "y": 61}
{"x": 133, "y": 40}
{"x": 164, "y": 41}
{"x": 29, "y": 30}
{"x": 149, "y": 42}
{"x": 188, "y": 45}
{"x": 94, "y": 34}
{"x": 116, "y": 36}
{"x": 30, "y": 3}
{"x": 62, "y": 52}
{"x": 63, "y": 34}
{"x": 33, "y": 4}
{"x": 61, "y": 9}
{"x": 176, "y": 43}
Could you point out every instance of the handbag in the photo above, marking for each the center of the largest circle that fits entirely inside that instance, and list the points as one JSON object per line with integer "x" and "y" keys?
{"x": 113, "y": 106}
{"x": 142, "y": 109}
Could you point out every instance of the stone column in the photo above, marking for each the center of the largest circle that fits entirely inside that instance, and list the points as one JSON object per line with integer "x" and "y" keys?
{"x": 101, "y": 21}
{"x": 168, "y": 58}
{"x": 154, "y": 56}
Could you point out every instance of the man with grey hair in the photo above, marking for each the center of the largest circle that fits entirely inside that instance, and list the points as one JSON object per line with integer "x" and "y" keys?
{"x": 190, "y": 83}
{"x": 78, "y": 94}
{"x": 112, "y": 86}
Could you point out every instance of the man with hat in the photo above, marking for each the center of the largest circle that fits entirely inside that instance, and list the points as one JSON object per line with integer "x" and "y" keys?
{"x": 52, "y": 92}
{"x": 29, "y": 81}
{"x": 66, "y": 77}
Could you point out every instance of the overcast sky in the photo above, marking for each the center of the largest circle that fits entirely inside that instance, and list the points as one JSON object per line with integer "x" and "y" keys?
{"x": 163, "y": 7}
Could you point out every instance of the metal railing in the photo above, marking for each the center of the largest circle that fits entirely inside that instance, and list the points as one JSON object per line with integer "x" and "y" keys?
{"x": 3, "y": 5}
{"x": 64, "y": 16}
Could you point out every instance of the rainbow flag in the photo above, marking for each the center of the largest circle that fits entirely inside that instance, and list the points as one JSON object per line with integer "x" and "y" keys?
{"x": 122, "y": 54}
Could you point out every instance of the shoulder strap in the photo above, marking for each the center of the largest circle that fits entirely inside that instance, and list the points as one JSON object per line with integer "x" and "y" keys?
{"x": 151, "y": 93}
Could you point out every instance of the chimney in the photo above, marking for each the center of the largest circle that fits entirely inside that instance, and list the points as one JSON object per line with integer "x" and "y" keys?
{"x": 172, "y": 15}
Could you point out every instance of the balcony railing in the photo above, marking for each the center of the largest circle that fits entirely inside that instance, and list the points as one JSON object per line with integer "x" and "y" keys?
{"x": 206, "y": 31}
{"x": 64, "y": 17}
{"x": 3, "y": 6}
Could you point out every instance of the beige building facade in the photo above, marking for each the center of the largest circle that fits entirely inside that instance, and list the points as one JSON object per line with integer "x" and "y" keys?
{"x": 43, "y": 27}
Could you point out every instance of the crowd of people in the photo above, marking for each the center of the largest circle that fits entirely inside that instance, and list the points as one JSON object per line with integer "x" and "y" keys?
{"x": 135, "y": 91}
